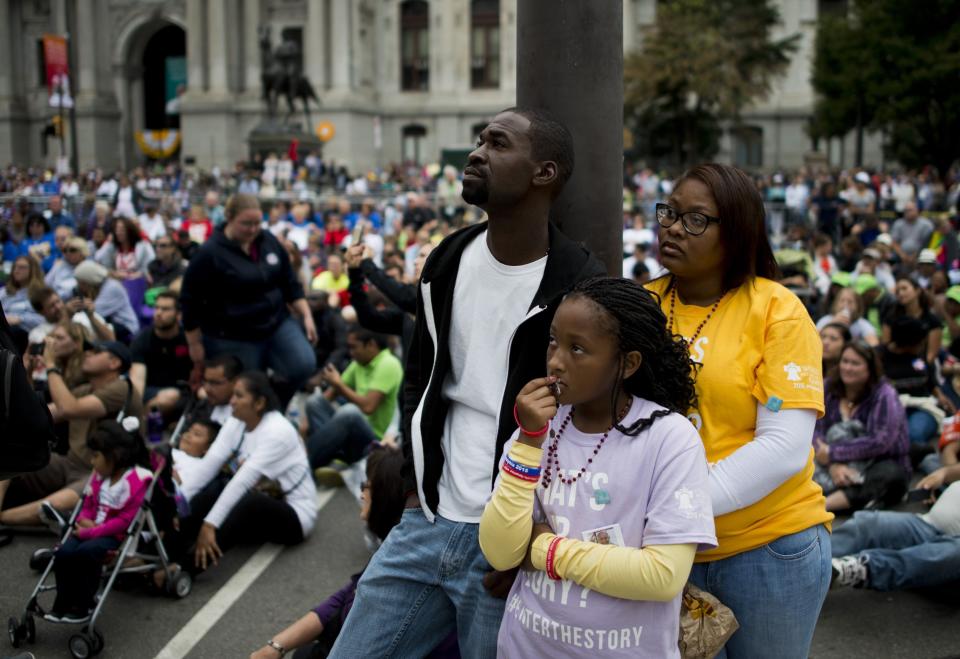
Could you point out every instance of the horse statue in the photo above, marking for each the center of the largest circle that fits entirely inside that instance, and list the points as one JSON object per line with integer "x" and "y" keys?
{"x": 280, "y": 74}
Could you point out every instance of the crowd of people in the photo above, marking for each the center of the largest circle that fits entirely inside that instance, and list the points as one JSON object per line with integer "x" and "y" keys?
{"x": 786, "y": 346}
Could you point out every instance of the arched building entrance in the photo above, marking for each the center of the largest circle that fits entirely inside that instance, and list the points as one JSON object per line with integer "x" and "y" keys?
{"x": 150, "y": 60}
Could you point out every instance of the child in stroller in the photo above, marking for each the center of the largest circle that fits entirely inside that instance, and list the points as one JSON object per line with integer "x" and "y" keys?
{"x": 116, "y": 491}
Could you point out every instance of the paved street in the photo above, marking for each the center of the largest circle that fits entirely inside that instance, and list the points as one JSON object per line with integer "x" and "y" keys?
{"x": 221, "y": 619}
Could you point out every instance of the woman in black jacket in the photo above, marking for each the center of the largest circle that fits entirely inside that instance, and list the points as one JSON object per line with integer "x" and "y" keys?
{"x": 237, "y": 295}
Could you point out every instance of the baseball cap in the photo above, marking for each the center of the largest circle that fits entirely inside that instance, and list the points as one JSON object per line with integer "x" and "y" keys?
{"x": 115, "y": 348}
{"x": 871, "y": 253}
{"x": 862, "y": 177}
{"x": 953, "y": 293}
{"x": 927, "y": 256}
{"x": 885, "y": 239}
{"x": 865, "y": 283}
{"x": 840, "y": 279}
{"x": 91, "y": 273}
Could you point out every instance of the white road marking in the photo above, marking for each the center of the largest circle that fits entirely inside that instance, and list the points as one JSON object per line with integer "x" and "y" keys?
{"x": 201, "y": 623}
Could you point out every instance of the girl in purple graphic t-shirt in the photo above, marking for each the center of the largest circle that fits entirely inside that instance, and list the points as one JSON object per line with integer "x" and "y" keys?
{"x": 602, "y": 496}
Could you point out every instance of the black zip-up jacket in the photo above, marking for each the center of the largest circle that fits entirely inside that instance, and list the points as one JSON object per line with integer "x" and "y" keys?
{"x": 229, "y": 295}
{"x": 428, "y": 362}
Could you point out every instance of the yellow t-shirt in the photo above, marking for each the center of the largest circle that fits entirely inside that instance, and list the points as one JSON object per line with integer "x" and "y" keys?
{"x": 325, "y": 281}
{"x": 759, "y": 345}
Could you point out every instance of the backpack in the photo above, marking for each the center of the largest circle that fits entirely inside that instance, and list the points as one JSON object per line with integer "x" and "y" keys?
{"x": 26, "y": 427}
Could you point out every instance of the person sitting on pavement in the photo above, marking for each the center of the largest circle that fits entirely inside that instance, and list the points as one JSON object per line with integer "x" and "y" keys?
{"x": 381, "y": 505}
{"x": 861, "y": 442}
{"x": 51, "y": 306}
{"x": 188, "y": 455}
{"x": 61, "y": 277}
{"x": 161, "y": 358}
{"x": 219, "y": 376}
{"x": 914, "y": 379}
{"x": 61, "y": 481}
{"x": 885, "y": 550}
{"x": 847, "y": 309}
{"x": 370, "y": 386}
{"x": 15, "y": 294}
{"x": 833, "y": 336}
{"x": 168, "y": 268}
{"x": 270, "y": 496}
{"x": 109, "y": 297}
{"x": 913, "y": 302}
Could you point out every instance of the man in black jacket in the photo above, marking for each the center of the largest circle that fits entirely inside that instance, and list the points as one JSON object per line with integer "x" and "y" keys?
{"x": 486, "y": 299}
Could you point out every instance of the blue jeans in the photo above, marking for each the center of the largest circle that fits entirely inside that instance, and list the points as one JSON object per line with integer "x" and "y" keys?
{"x": 775, "y": 591}
{"x": 902, "y": 550}
{"x": 921, "y": 426}
{"x": 287, "y": 352}
{"x": 344, "y": 433}
{"x": 424, "y": 581}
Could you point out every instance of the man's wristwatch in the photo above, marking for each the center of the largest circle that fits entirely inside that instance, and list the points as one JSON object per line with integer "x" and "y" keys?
{"x": 276, "y": 646}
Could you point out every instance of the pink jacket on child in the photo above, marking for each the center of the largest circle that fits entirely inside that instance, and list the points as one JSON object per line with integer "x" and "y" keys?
{"x": 113, "y": 507}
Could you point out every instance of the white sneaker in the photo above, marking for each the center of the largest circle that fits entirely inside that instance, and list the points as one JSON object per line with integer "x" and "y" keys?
{"x": 849, "y": 571}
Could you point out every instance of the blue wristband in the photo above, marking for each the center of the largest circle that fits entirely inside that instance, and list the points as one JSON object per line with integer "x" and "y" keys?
{"x": 521, "y": 468}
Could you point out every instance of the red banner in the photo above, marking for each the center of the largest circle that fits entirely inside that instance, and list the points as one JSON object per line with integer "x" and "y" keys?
{"x": 58, "y": 73}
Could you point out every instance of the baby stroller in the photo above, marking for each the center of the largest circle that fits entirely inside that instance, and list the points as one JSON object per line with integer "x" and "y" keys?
{"x": 127, "y": 560}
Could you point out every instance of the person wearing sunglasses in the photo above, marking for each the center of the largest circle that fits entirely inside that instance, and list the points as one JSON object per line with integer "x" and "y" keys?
{"x": 759, "y": 391}
{"x": 61, "y": 277}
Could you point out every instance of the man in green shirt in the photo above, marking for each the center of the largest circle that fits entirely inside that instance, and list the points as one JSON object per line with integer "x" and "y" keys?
{"x": 369, "y": 385}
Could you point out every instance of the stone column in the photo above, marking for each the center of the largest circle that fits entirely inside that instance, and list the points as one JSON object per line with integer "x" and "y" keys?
{"x": 314, "y": 45}
{"x": 581, "y": 84}
{"x": 340, "y": 41}
{"x": 629, "y": 27}
{"x": 6, "y": 52}
{"x": 196, "y": 38}
{"x": 251, "y": 47}
{"x": 86, "y": 49}
{"x": 508, "y": 45}
{"x": 217, "y": 45}
{"x": 388, "y": 48}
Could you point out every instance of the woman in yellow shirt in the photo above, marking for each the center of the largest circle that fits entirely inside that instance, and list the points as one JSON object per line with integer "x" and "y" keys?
{"x": 760, "y": 391}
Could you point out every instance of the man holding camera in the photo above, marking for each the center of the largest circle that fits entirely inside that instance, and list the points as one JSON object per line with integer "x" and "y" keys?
{"x": 103, "y": 397}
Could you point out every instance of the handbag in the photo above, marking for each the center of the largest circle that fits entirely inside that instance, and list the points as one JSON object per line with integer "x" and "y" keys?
{"x": 705, "y": 624}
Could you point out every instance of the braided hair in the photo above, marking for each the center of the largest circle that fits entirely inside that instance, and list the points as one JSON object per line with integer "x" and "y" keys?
{"x": 633, "y": 315}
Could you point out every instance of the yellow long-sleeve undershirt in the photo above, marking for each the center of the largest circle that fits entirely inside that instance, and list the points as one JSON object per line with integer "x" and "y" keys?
{"x": 654, "y": 572}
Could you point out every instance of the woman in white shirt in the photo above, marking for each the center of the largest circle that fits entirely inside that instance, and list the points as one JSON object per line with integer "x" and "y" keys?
{"x": 270, "y": 497}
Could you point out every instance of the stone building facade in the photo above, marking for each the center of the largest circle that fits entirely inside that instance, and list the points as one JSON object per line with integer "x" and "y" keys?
{"x": 398, "y": 79}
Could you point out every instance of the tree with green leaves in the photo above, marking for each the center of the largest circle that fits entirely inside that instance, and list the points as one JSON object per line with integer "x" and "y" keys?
{"x": 701, "y": 64}
{"x": 892, "y": 66}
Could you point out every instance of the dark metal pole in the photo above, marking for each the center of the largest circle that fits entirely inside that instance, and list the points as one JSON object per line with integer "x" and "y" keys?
{"x": 570, "y": 63}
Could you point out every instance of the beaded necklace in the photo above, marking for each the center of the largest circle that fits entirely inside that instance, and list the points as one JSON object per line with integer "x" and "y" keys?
{"x": 553, "y": 460}
{"x": 703, "y": 323}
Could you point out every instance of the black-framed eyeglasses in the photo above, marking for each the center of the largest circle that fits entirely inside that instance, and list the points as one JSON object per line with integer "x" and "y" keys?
{"x": 692, "y": 222}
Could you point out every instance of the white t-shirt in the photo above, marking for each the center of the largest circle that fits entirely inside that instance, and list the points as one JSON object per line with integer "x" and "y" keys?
{"x": 945, "y": 514}
{"x": 490, "y": 301}
{"x": 272, "y": 449}
{"x": 152, "y": 225}
{"x": 187, "y": 467}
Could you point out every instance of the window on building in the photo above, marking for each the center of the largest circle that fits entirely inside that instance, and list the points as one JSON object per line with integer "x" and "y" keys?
{"x": 413, "y": 139}
{"x": 414, "y": 45}
{"x": 835, "y": 8}
{"x": 484, "y": 44}
{"x": 748, "y": 146}
{"x": 41, "y": 65}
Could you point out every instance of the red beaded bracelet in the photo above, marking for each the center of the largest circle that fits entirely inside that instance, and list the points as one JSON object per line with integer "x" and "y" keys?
{"x": 551, "y": 562}
{"x": 529, "y": 433}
